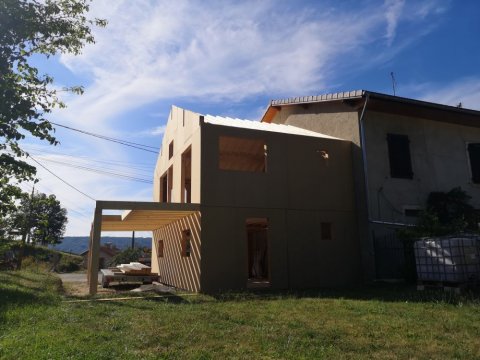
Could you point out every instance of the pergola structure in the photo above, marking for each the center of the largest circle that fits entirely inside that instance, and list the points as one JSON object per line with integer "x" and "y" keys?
{"x": 137, "y": 216}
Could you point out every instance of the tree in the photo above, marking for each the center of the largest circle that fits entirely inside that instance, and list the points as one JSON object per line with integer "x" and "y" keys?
{"x": 446, "y": 213}
{"x": 42, "y": 219}
{"x": 29, "y": 27}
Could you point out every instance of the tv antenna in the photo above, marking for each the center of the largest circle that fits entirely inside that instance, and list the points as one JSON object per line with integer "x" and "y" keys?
{"x": 394, "y": 83}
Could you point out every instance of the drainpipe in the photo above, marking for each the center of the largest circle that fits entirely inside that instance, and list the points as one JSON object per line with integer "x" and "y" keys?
{"x": 364, "y": 155}
{"x": 365, "y": 170}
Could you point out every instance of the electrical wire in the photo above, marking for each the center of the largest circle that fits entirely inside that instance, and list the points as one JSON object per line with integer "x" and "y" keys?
{"x": 136, "y": 165}
{"x": 58, "y": 177}
{"x": 98, "y": 171}
{"x": 64, "y": 203}
{"x": 107, "y": 138}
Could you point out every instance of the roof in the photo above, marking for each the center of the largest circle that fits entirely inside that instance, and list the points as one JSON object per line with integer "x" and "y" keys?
{"x": 105, "y": 249}
{"x": 319, "y": 98}
{"x": 257, "y": 125}
{"x": 360, "y": 94}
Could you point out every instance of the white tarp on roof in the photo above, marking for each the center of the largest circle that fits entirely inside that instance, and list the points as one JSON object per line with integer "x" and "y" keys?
{"x": 257, "y": 125}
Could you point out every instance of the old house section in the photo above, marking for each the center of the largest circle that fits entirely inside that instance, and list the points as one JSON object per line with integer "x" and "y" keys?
{"x": 403, "y": 149}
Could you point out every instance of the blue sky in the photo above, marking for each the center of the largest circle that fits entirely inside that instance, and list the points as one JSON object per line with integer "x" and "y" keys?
{"x": 231, "y": 58}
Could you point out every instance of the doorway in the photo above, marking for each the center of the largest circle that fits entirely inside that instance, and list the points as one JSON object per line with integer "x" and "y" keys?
{"x": 258, "y": 254}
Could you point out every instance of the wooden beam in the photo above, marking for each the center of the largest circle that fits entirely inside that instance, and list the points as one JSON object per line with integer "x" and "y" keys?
{"x": 145, "y": 205}
{"x": 95, "y": 250}
{"x": 270, "y": 114}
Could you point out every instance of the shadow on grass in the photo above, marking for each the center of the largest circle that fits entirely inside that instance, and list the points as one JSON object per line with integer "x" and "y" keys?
{"x": 378, "y": 292}
{"x": 21, "y": 289}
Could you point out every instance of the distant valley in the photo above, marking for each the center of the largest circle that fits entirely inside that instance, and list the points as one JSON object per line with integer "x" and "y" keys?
{"x": 78, "y": 244}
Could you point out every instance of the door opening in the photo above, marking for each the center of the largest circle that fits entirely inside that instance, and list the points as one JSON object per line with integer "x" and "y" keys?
{"x": 258, "y": 256}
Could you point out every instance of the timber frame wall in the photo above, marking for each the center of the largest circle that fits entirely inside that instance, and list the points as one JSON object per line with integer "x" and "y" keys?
{"x": 95, "y": 234}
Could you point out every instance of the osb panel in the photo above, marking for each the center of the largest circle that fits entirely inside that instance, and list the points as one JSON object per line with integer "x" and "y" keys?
{"x": 175, "y": 270}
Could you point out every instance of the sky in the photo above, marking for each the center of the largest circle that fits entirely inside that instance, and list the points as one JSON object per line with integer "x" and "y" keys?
{"x": 230, "y": 58}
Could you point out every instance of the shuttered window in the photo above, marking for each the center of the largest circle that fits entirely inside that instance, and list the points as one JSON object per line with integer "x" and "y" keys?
{"x": 399, "y": 156}
{"x": 474, "y": 155}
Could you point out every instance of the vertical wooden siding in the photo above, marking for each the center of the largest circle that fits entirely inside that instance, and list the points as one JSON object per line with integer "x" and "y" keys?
{"x": 173, "y": 268}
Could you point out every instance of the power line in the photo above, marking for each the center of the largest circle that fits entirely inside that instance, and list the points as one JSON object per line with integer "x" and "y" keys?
{"x": 103, "y": 171}
{"x": 58, "y": 177}
{"x": 137, "y": 165}
{"x": 118, "y": 141}
{"x": 64, "y": 202}
{"x": 98, "y": 171}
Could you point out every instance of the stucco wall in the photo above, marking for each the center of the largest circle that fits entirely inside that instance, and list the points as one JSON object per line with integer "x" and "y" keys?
{"x": 439, "y": 162}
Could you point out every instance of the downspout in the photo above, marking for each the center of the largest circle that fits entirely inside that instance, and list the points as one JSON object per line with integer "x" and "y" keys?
{"x": 364, "y": 156}
{"x": 365, "y": 170}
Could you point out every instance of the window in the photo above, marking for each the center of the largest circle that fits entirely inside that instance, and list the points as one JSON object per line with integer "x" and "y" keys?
{"x": 186, "y": 196}
{"x": 399, "y": 156}
{"x": 412, "y": 212}
{"x": 186, "y": 243}
{"x": 326, "y": 231}
{"x": 474, "y": 156}
{"x": 242, "y": 154}
{"x": 166, "y": 186}
{"x": 160, "y": 246}
{"x": 170, "y": 150}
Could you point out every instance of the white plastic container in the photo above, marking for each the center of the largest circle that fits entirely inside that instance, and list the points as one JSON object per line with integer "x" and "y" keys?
{"x": 455, "y": 259}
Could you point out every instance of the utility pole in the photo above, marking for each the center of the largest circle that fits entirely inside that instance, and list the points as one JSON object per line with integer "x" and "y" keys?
{"x": 30, "y": 207}
{"x": 27, "y": 223}
{"x": 133, "y": 240}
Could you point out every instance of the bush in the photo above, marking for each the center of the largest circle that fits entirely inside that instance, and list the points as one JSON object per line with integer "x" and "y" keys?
{"x": 126, "y": 256}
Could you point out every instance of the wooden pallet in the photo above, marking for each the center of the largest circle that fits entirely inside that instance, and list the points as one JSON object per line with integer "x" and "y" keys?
{"x": 455, "y": 287}
{"x": 135, "y": 268}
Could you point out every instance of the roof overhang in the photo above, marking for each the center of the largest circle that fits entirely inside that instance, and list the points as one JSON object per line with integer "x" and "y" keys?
{"x": 384, "y": 103}
{"x": 143, "y": 216}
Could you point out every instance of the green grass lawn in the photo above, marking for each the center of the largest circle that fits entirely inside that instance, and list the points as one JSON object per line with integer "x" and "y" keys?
{"x": 36, "y": 322}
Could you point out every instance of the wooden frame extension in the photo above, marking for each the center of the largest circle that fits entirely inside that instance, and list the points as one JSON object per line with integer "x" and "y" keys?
{"x": 139, "y": 216}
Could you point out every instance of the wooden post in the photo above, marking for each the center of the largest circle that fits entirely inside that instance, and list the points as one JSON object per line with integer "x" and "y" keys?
{"x": 89, "y": 256}
{"x": 94, "y": 250}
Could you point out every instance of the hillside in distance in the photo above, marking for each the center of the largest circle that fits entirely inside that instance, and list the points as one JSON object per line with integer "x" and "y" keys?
{"x": 78, "y": 244}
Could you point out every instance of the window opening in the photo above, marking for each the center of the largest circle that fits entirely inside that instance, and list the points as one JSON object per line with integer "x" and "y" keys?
{"x": 170, "y": 150}
{"x": 187, "y": 176}
{"x": 326, "y": 231}
{"x": 164, "y": 188}
{"x": 186, "y": 243}
{"x": 160, "y": 246}
{"x": 242, "y": 154}
{"x": 170, "y": 184}
{"x": 399, "y": 156}
{"x": 474, "y": 156}
{"x": 412, "y": 212}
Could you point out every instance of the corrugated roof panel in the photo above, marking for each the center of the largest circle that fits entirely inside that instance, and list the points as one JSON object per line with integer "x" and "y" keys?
{"x": 256, "y": 125}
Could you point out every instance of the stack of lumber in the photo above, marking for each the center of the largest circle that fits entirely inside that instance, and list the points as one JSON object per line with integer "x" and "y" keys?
{"x": 135, "y": 268}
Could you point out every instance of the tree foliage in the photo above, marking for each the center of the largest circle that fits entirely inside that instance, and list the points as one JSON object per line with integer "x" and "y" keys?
{"x": 42, "y": 217}
{"x": 446, "y": 213}
{"x": 126, "y": 256}
{"x": 27, "y": 28}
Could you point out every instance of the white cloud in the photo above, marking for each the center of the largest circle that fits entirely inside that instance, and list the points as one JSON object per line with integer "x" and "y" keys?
{"x": 157, "y": 50}
{"x": 393, "y": 13}
{"x": 159, "y": 130}
{"x": 465, "y": 91}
